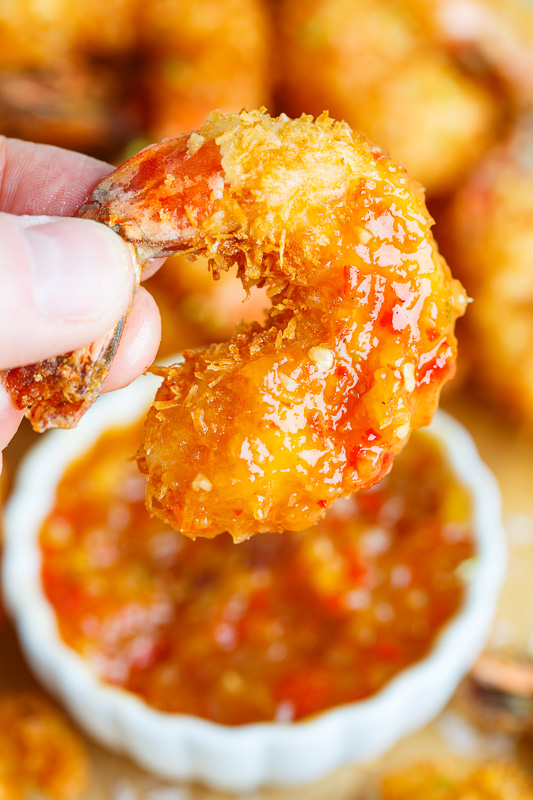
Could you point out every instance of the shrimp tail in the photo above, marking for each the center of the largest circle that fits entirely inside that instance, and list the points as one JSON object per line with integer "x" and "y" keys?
{"x": 55, "y": 393}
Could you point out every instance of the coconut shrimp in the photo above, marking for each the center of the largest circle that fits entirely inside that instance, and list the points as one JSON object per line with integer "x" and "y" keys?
{"x": 62, "y": 78}
{"x": 69, "y": 106}
{"x": 499, "y": 691}
{"x": 386, "y": 72}
{"x": 265, "y": 431}
{"x": 97, "y": 76}
{"x": 488, "y": 238}
{"x": 200, "y": 56}
{"x": 39, "y": 749}
{"x": 494, "y": 35}
{"x": 496, "y": 781}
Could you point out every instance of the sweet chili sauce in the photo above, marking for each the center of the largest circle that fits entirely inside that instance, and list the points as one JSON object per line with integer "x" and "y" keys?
{"x": 279, "y": 627}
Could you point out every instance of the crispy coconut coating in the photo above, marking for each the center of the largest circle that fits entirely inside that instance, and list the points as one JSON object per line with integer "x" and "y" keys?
{"x": 265, "y": 431}
{"x": 488, "y": 237}
{"x": 497, "y": 781}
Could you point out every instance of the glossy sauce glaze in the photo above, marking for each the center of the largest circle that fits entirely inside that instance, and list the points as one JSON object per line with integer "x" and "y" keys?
{"x": 278, "y": 422}
{"x": 276, "y": 628}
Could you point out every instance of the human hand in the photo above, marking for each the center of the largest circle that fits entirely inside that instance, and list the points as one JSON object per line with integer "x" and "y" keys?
{"x": 63, "y": 281}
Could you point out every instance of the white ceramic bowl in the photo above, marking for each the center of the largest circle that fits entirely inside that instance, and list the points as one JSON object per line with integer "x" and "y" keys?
{"x": 241, "y": 758}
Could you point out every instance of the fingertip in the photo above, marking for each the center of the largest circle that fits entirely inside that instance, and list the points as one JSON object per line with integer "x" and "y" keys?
{"x": 151, "y": 267}
{"x": 139, "y": 344}
{"x": 65, "y": 282}
{"x": 10, "y": 419}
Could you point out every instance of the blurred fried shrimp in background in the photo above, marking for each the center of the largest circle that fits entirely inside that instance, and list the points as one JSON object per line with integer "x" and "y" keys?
{"x": 487, "y": 235}
{"x": 374, "y": 63}
{"x": 200, "y": 56}
{"x": 496, "y": 781}
{"x": 39, "y": 749}
{"x": 498, "y": 693}
{"x": 95, "y": 76}
{"x": 493, "y": 38}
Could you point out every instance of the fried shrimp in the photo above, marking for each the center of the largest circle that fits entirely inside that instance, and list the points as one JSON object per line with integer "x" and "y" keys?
{"x": 488, "y": 238}
{"x": 384, "y": 70}
{"x": 39, "y": 749}
{"x": 202, "y": 55}
{"x": 496, "y": 35}
{"x": 97, "y": 76}
{"x": 265, "y": 431}
{"x": 496, "y": 781}
{"x": 499, "y": 691}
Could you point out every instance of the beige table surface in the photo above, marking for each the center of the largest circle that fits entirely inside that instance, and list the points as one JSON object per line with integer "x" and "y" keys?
{"x": 509, "y": 453}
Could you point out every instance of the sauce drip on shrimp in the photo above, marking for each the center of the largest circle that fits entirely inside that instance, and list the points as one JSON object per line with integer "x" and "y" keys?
{"x": 264, "y": 432}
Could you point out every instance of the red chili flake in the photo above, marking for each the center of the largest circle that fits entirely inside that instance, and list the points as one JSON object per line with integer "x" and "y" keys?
{"x": 151, "y": 654}
{"x": 386, "y": 320}
{"x": 385, "y": 466}
{"x": 351, "y": 278}
{"x": 438, "y": 368}
{"x": 356, "y": 570}
{"x": 347, "y": 279}
{"x": 354, "y": 455}
{"x": 259, "y": 600}
{"x": 370, "y": 435}
{"x": 388, "y": 650}
{"x": 309, "y": 690}
{"x": 64, "y": 592}
{"x": 332, "y": 603}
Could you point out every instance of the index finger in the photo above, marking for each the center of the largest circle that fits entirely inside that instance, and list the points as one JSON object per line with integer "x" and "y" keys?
{"x": 41, "y": 179}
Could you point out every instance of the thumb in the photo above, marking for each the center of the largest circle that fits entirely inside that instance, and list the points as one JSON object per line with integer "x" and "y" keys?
{"x": 63, "y": 283}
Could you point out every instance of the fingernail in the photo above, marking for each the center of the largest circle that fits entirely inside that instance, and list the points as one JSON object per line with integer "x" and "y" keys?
{"x": 80, "y": 269}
